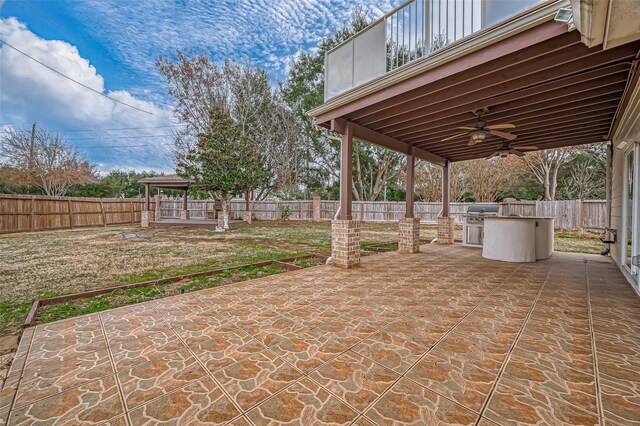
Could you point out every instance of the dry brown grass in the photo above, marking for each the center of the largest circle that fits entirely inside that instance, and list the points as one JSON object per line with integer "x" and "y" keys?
{"x": 44, "y": 264}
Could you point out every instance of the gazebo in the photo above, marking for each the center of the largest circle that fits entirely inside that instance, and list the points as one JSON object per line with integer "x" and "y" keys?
{"x": 165, "y": 182}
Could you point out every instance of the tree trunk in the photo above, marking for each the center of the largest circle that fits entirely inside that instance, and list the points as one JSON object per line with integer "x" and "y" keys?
{"x": 225, "y": 212}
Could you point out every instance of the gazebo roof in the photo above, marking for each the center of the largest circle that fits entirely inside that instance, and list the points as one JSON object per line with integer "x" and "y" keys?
{"x": 167, "y": 181}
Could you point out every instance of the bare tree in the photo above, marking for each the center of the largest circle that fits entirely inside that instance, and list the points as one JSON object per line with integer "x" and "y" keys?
{"x": 198, "y": 85}
{"x": 545, "y": 166}
{"x": 585, "y": 175}
{"x": 50, "y": 163}
{"x": 486, "y": 179}
{"x": 428, "y": 182}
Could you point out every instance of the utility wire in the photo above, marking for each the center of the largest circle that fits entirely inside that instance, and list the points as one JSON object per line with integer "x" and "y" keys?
{"x": 112, "y": 147}
{"x": 53, "y": 24}
{"x": 107, "y": 137}
{"x": 75, "y": 81}
{"x": 104, "y": 130}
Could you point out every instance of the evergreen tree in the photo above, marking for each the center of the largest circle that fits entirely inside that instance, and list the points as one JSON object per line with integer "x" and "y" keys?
{"x": 223, "y": 162}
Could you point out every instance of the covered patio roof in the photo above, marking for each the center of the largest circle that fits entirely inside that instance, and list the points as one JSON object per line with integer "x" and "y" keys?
{"x": 557, "y": 91}
{"x": 168, "y": 181}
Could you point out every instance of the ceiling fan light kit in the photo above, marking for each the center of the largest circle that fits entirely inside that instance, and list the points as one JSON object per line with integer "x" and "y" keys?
{"x": 478, "y": 136}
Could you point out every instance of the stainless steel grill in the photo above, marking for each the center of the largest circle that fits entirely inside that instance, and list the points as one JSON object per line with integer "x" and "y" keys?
{"x": 473, "y": 231}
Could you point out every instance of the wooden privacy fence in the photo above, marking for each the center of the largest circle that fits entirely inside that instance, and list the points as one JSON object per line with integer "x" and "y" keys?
{"x": 20, "y": 213}
{"x": 23, "y": 213}
{"x": 568, "y": 215}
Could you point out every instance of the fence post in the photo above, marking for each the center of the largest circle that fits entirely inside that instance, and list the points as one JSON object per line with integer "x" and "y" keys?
{"x": 70, "y": 213}
{"x": 104, "y": 215}
{"x": 581, "y": 214}
{"x": 133, "y": 215}
{"x": 32, "y": 224}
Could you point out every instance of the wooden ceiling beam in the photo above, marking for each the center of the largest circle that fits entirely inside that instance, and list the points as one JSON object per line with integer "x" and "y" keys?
{"x": 551, "y": 90}
{"x": 529, "y": 140}
{"x": 515, "y": 114}
{"x": 556, "y": 65}
{"x": 566, "y": 102}
{"x": 524, "y": 132}
{"x": 540, "y": 142}
{"x": 368, "y": 135}
{"x": 556, "y": 117}
{"x": 549, "y": 145}
{"x": 615, "y": 88}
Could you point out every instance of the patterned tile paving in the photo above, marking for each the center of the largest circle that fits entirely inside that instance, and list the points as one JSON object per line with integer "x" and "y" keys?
{"x": 440, "y": 337}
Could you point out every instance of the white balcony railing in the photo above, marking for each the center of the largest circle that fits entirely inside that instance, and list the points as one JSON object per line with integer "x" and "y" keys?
{"x": 411, "y": 31}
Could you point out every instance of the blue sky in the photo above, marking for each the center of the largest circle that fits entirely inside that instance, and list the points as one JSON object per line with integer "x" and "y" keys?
{"x": 112, "y": 46}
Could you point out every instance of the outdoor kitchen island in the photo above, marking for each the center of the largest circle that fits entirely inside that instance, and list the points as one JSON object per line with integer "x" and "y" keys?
{"x": 517, "y": 238}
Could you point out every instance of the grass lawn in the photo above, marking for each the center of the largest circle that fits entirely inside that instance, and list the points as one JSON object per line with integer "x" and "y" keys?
{"x": 47, "y": 264}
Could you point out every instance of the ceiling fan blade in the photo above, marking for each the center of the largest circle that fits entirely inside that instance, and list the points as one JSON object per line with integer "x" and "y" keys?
{"x": 466, "y": 128}
{"x": 503, "y": 135}
{"x": 516, "y": 152}
{"x": 501, "y": 126}
{"x": 455, "y": 136}
{"x": 495, "y": 154}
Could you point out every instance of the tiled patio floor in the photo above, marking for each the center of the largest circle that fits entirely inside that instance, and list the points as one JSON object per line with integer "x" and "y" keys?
{"x": 440, "y": 337}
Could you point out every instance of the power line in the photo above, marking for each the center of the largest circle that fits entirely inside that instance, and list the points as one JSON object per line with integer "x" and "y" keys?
{"x": 112, "y": 137}
{"x": 53, "y": 24}
{"x": 107, "y": 138}
{"x": 112, "y": 147}
{"x": 75, "y": 81}
{"x": 104, "y": 130}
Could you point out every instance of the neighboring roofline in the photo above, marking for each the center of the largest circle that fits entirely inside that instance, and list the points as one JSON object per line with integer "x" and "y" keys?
{"x": 515, "y": 25}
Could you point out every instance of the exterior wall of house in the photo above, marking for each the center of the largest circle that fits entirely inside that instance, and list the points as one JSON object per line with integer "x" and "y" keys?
{"x": 627, "y": 133}
{"x": 617, "y": 188}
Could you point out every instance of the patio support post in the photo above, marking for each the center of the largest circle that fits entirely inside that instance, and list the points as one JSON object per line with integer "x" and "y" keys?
{"x": 446, "y": 224}
{"x": 184, "y": 214}
{"x": 409, "y": 226}
{"x": 146, "y": 212}
{"x": 345, "y": 232}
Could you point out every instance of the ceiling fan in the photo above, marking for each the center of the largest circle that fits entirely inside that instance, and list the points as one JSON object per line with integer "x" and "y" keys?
{"x": 505, "y": 148}
{"x": 479, "y": 130}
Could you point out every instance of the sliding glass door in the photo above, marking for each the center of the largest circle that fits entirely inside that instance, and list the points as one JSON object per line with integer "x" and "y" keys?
{"x": 630, "y": 213}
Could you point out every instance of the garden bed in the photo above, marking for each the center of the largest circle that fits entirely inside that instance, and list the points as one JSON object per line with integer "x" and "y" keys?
{"x": 72, "y": 305}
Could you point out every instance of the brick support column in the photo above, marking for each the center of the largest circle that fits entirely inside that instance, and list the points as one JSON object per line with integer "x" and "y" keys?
{"x": 409, "y": 235}
{"x": 316, "y": 208}
{"x": 345, "y": 243}
{"x": 184, "y": 214}
{"x": 446, "y": 227}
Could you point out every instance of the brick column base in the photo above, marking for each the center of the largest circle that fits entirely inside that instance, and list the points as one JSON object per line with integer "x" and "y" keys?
{"x": 147, "y": 218}
{"x": 246, "y": 216}
{"x": 409, "y": 235}
{"x": 446, "y": 227}
{"x": 345, "y": 243}
{"x": 184, "y": 214}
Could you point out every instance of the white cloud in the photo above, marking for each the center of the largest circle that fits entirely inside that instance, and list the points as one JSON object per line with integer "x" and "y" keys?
{"x": 30, "y": 92}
